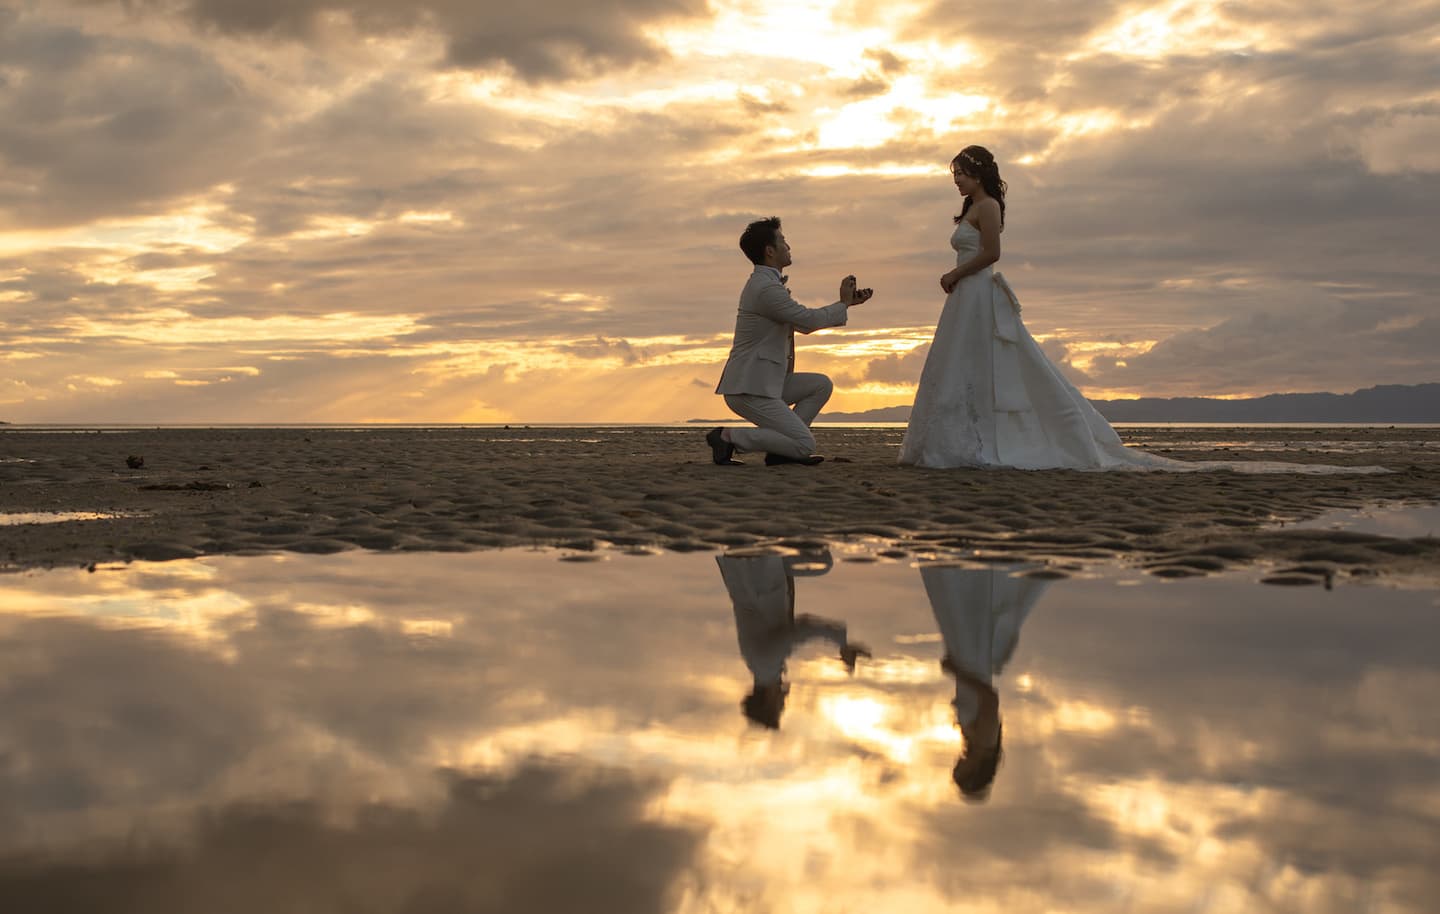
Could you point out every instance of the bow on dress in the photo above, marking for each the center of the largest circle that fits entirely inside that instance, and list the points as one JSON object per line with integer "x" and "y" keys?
{"x": 1010, "y": 394}
{"x": 1007, "y": 309}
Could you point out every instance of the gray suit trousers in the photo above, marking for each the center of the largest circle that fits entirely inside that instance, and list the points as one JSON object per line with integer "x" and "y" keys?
{"x": 781, "y": 430}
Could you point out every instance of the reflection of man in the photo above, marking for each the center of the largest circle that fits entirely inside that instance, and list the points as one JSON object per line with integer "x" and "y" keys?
{"x": 762, "y": 589}
{"x": 979, "y": 611}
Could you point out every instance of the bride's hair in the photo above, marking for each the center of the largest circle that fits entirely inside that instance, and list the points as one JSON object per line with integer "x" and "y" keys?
{"x": 978, "y": 163}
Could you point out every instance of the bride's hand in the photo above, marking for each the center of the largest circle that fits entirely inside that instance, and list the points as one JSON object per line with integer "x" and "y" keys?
{"x": 949, "y": 281}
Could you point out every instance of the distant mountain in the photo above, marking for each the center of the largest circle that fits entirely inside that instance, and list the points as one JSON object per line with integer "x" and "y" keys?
{"x": 1387, "y": 403}
{"x": 883, "y": 414}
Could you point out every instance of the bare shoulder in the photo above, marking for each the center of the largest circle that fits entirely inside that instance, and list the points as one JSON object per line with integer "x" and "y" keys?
{"x": 988, "y": 206}
{"x": 989, "y": 216}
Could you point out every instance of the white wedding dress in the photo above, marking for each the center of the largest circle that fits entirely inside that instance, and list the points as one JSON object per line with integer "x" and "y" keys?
{"x": 989, "y": 397}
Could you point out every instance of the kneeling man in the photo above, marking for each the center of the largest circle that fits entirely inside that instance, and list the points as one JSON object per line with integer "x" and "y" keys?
{"x": 760, "y": 383}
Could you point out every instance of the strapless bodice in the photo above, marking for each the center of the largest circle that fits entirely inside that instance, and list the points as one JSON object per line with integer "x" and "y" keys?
{"x": 966, "y": 242}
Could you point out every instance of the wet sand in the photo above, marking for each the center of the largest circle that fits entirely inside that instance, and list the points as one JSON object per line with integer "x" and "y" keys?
{"x": 248, "y": 491}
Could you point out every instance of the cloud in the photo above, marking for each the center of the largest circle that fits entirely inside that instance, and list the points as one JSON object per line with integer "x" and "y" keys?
{"x": 890, "y": 64}
{"x": 897, "y": 369}
{"x": 1042, "y": 23}
{"x": 538, "y": 41}
{"x": 157, "y": 175}
{"x": 1304, "y": 349}
{"x": 94, "y": 126}
{"x": 496, "y": 844}
{"x": 602, "y": 348}
{"x": 867, "y": 87}
{"x": 1404, "y": 143}
{"x": 1059, "y": 353}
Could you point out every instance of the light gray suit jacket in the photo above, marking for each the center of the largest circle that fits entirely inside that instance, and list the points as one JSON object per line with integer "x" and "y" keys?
{"x": 762, "y": 592}
{"x": 763, "y": 353}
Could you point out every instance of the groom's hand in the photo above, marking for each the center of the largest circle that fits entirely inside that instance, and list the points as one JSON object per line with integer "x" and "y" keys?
{"x": 852, "y": 651}
{"x": 852, "y": 296}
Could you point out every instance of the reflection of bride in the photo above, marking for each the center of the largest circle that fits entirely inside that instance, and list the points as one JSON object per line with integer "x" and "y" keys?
{"x": 979, "y": 611}
{"x": 762, "y": 590}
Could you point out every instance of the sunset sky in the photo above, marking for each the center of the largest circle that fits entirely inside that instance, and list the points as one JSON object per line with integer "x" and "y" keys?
{"x": 455, "y": 211}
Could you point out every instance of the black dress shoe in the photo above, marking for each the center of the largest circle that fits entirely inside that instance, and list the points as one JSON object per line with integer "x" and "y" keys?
{"x": 774, "y": 460}
{"x": 721, "y": 451}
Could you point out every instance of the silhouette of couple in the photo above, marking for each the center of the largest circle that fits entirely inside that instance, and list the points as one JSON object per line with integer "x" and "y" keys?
{"x": 988, "y": 395}
{"x": 979, "y": 613}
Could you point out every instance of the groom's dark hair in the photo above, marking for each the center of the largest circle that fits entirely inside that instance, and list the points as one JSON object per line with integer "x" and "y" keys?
{"x": 757, "y": 237}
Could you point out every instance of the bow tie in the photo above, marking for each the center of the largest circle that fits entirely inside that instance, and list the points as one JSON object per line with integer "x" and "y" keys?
{"x": 784, "y": 280}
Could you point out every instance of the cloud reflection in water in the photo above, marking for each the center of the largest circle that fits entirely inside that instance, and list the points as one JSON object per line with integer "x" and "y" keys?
{"x": 495, "y": 731}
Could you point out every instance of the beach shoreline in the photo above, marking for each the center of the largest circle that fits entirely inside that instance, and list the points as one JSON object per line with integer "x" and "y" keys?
{"x": 220, "y": 491}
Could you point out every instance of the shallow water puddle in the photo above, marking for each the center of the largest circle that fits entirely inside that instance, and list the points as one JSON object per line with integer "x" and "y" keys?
{"x": 504, "y": 731}
{"x": 1336, "y": 440}
{"x": 53, "y": 517}
{"x": 1401, "y": 521}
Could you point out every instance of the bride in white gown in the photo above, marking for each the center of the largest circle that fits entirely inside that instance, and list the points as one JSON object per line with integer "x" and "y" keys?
{"x": 988, "y": 395}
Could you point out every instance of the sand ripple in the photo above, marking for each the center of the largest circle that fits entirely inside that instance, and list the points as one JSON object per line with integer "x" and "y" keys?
{"x": 246, "y": 491}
